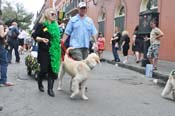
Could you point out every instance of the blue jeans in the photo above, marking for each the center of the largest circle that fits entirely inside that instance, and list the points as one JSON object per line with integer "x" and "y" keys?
{"x": 115, "y": 53}
{"x": 3, "y": 64}
{"x": 13, "y": 43}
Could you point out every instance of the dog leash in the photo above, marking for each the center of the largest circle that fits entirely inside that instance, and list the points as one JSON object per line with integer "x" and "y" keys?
{"x": 64, "y": 50}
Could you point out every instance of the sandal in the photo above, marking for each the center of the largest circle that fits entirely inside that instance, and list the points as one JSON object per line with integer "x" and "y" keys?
{"x": 8, "y": 84}
{"x": 155, "y": 68}
{"x": 1, "y": 108}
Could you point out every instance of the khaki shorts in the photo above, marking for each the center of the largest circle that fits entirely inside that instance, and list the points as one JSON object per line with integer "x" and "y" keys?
{"x": 79, "y": 53}
{"x": 153, "y": 51}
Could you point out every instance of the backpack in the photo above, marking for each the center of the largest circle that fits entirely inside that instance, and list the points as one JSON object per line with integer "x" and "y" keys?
{"x": 144, "y": 62}
{"x": 12, "y": 34}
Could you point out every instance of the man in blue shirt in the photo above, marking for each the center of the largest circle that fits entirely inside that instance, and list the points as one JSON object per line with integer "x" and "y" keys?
{"x": 80, "y": 28}
{"x": 13, "y": 42}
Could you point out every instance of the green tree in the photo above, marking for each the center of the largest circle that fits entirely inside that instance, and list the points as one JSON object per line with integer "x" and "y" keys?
{"x": 16, "y": 13}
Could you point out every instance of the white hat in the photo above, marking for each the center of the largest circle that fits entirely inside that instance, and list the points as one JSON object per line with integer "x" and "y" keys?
{"x": 82, "y": 4}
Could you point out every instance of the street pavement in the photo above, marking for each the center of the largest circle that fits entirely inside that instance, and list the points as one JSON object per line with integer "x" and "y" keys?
{"x": 112, "y": 91}
{"x": 164, "y": 67}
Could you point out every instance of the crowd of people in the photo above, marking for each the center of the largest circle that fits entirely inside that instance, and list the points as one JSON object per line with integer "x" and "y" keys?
{"x": 143, "y": 46}
{"x": 20, "y": 41}
{"x": 10, "y": 39}
{"x": 79, "y": 33}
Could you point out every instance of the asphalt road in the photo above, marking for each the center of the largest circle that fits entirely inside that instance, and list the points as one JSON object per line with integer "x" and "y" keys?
{"x": 112, "y": 91}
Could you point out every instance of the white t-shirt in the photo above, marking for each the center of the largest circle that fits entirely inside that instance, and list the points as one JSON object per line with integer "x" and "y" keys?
{"x": 23, "y": 35}
{"x": 154, "y": 33}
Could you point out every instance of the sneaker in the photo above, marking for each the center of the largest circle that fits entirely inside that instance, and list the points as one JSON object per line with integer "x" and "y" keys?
{"x": 155, "y": 68}
{"x": 1, "y": 108}
{"x": 8, "y": 84}
{"x": 117, "y": 60}
{"x": 2, "y": 85}
{"x": 18, "y": 61}
{"x": 125, "y": 61}
{"x": 137, "y": 61}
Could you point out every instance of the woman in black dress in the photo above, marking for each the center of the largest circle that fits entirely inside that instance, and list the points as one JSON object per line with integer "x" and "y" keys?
{"x": 47, "y": 34}
{"x": 125, "y": 45}
{"x": 138, "y": 45}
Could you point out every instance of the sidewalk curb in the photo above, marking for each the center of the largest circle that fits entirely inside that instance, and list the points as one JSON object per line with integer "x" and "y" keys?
{"x": 156, "y": 75}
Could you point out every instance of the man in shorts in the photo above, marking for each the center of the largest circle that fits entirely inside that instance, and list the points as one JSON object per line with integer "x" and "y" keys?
{"x": 80, "y": 28}
{"x": 153, "y": 50}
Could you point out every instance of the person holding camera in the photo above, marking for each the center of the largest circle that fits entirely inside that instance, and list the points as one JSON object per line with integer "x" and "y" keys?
{"x": 3, "y": 57}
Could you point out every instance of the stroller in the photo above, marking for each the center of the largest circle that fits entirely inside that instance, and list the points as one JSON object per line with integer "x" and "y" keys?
{"x": 31, "y": 62}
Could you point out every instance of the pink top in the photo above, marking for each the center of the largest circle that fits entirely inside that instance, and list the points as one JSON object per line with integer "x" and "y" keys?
{"x": 101, "y": 43}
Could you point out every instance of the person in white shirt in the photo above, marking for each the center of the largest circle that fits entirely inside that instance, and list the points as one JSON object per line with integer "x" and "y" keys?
{"x": 153, "y": 50}
{"x": 22, "y": 41}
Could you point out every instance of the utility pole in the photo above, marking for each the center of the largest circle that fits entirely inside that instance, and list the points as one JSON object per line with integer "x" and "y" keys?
{"x": 0, "y": 9}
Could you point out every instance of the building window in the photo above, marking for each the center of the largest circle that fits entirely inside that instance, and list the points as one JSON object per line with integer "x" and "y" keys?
{"x": 101, "y": 20}
{"x": 102, "y": 14}
{"x": 148, "y": 5}
{"x": 119, "y": 19}
{"x": 80, "y": 1}
{"x": 154, "y": 4}
{"x": 122, "y": 11}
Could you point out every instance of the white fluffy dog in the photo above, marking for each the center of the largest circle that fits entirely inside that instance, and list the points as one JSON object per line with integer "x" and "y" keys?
{"x": 170, "y": 86}
{"x": 78, "y": 70}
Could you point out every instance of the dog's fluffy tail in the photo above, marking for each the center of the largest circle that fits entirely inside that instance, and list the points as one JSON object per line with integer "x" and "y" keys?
{"x": 68, "y": 49}
{"x": 67, "y": 57}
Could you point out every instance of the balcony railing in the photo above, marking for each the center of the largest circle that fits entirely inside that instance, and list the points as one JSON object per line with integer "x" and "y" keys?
{"x": 71, "y": 6}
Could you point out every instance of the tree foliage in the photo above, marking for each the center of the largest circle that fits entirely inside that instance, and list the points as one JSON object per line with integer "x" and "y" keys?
{"x": 16, "y": 13}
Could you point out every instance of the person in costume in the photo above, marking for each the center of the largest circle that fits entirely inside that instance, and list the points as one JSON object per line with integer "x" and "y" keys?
{"x": 47, "y": 34}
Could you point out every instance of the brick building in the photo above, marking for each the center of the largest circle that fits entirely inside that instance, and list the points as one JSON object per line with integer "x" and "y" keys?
{"x": 126, "y": 14}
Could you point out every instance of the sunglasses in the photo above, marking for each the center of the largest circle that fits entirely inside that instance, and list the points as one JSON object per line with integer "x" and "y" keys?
{"x": 52, "y": 14}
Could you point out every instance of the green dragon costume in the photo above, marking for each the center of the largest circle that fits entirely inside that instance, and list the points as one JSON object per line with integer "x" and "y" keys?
{"x": 55, "y": 49}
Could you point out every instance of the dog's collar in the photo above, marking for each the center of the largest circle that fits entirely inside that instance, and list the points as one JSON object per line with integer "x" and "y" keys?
{"x": 89, "y": 66}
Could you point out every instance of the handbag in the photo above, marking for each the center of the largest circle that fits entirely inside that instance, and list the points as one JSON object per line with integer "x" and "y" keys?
{"x": 35, "y": 47}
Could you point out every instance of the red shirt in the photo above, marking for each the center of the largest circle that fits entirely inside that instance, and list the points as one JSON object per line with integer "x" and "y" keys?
{"x": 101, "y": 43}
